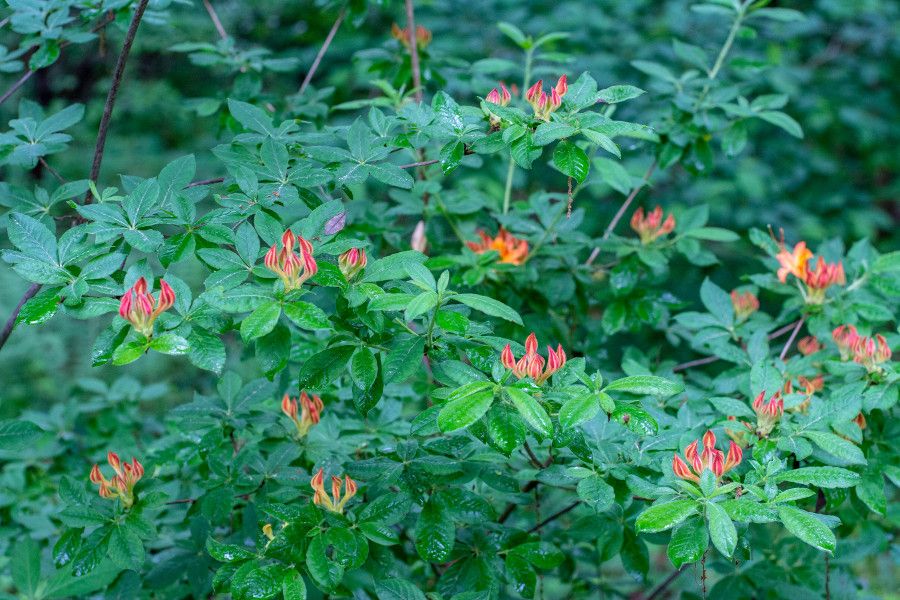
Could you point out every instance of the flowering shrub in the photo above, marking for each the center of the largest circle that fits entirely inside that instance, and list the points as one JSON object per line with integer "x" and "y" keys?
{"x": 334, "y": 281}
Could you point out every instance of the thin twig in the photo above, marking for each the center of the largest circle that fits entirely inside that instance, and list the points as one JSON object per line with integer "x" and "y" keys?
{"x": 535, "y": 462}
{"x": 787, "y": 345}
{"x": 51, "y": 170}
{"x": 322, "y": 50}
{"x": 215, "y": 19}
{"x": 711, "y": 359}
{"x": 512, "y": 505}
{"x": 11, "y": 322}
{"x": 555, "y": 516}
{"x": 19, "y": 83}
{"x": 413, "y": 49}
{"x": 107, "y": 19}
{"x": 423, "y": 163}
{"x": 205, "y": 182}
{"x": 114, "y": 90}
{"x": 621, "y": 212}
{"x": 665, "y": 584}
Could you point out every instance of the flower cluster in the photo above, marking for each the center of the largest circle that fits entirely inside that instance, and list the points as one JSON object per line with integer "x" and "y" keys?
{"x": 543, "y": 104}
{"x": 310, "y": 411}
{"x": 870, "y": 352}
{"x": 293, "y": 270}
{"x": 710, "y": 458}
{"x": 532, "y": 364}
{"x": 652, "y": 226}
{"x": 352, "y": 262}
{"x": 139, "y": 308}
{"x": 818, "y": 279}
{"x": 401, "y": 34}
{"x": 511, "y": 249}
{"x": 501, "y": 98}
{"x": 768, "y": 413}
{"x": 745, "y": 304}
{"x": 336, "y": 503}
{"x": 122, "y": 484}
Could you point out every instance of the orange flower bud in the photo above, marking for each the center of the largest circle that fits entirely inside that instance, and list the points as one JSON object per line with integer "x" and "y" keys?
{"x": 711, "y": 458}
{"x": 533, "y": 364}
{"x": 744, "y": 303}
{"x": 652, "y": 226}
{"x": 136, "y": 305}
{"x": 418, "y": 241}
{"x": 352, "y": 262}
{"x": 293, "y": 270}
{"x": 809, "y": 345}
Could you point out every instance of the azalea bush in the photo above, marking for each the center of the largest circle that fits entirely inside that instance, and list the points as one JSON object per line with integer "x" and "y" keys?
{"x": 420, "y": 300}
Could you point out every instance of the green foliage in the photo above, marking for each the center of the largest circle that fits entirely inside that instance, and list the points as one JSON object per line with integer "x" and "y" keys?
{"x": 298, "y": 314}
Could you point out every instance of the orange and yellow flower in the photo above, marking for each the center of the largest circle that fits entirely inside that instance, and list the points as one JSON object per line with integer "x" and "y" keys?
{"x": 337, "y": 502}
{"x": 818, "y": 279}
{"x": 652, "y": 226}
{"x": 138, "y": 308}
{"x": 533, "y": 364}
{"x": 310, "y": 411}
{"x": 500, "y": 98}
{"x": 871, "y": 352}
{"x": 710, "y": 458}
{"x": 809, "y": 345}
{"x": 767, "y": 413}
{"x": 292, "y": 269}
{"x": 511, "y": 249}
{"x": 122, "y": 484}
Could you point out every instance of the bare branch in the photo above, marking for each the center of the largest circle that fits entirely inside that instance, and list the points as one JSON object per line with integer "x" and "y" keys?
{"x": 11, "y": 322}
{"x": 711, "y": 359}
{"x": 787, "y": 345}
{"x": 114, "y": 90}
{"x": 322, "y": 50}
{"x": 621, "y": 212}
{"x": 413, "y": 49}
{"x": 658, "y": 590}
{"x": 215, "y": 19}
{"x": 555, "y": 516}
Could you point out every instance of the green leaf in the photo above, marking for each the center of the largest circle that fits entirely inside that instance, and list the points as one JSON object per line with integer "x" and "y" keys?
{"x": 40, "y": 308}
{"x": 17, "y": 435}
{"x": 713, "y": 234}
{"x": 542, "y": 555}
{"x": 783, "y": 121}
{"x": 207, "y": 350}
{"x": 531, "y": 410}
{"x": 618, "y": 93}
{"x": 551, "y": 131}
{"x": 721, "y": 529}
{"x": 836, "y": 446}
{"x": 129, "y": 352}
{"x": 571, "y": 160}
{"x": 662, "y": 516}
{"x": 404, "y": 359}
{"x": 25, "y": 566}
{"x": 688, "y": 543}
{"x": 391, "y": 175}
{"x": 293, "y": 587}
{"x": 261, "y": 321}
{"x": 169, "y": 343}
{"x": 32, "y": 237}
{"x": 807, "y": 527}
{"x": 228, "y": 553}
{"x": 322, "y": 368}
{"x": 717, "y": 301}
{"x": 488, "y": 306}
{"x": 435, "y": 532}
{"x": 394, "y": 588}
{"x": 645, "y": 385}
{"x": 825, "y": 477}
{"x": 466, "y": 405}
{"x": 871, "y": 491}
{"x": 363, "y": 368}
{"x": 251, "y": 117}
{"x": 125, "y": 548}
{"x": 306, "y": 315}
{"x": 393, "y": 266}
{"x": 596, "y": 493}
{"x": 577, "y": 410}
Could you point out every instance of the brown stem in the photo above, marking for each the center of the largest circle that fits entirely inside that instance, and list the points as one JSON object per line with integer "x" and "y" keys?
{"x": 423, "y": 163}
{"x": 205, "y": 182}
{"x": 413, "y": 49}
{"x": 703, "y": 574}
{"x": 555, "y": 516}
{"x": 11, "y": 322}
{"x": 322, "y": 50}
{"x": 19, "y": 83}
{"x": 51, "y": 170}
{"x": 621, "y": 212}
{"x": 512, "y": 505}
{"x": 787, "y": 345}
{"x": 536, "y": 463}
{"x": 215, "y": 19}
{"x": 658, "y": 590}
{"x": 113, "y": 92}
